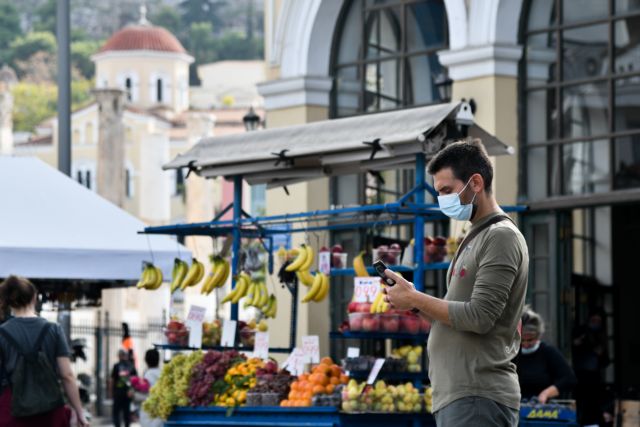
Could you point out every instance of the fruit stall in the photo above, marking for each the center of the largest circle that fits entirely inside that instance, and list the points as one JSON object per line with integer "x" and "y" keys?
{"x": 222, "y": 385}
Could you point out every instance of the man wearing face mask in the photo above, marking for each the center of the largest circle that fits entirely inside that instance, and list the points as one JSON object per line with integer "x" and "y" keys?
{"x": 474, "y": 334}
{"x": 543, "y": 371}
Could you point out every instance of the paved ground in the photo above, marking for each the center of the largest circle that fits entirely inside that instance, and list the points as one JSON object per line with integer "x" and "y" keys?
{"x": 106, "y": 421}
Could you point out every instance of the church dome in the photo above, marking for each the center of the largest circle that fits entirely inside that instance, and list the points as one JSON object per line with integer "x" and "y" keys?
{"x": 143, "y": 37}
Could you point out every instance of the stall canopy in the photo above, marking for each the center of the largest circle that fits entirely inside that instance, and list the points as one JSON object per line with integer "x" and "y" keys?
{"x": 379, "y": 141}
{"x": 51, "y": 227}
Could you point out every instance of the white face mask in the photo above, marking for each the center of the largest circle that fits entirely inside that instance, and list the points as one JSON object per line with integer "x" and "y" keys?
{"x": 451, "y": 206}
{"x": 531, "y": 349}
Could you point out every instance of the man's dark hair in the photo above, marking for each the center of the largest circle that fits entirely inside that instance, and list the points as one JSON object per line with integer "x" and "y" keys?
{"x": 465, "y": 158}
{"x": 152, "y": 357}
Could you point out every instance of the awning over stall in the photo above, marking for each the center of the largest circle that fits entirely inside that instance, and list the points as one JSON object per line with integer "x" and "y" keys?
{"x": 379, "y": 141}
{"x": 51, "y": 227}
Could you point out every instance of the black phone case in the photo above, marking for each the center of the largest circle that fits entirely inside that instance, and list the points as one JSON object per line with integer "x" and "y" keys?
{"x": 380, "y": 267}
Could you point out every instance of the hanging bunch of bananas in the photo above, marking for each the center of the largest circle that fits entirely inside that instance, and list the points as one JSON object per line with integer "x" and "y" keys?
{"x": 358, "y": 266}
{"x": 194, "y": 275}
{"x": 151, "y": 278}
{"x": 305, "y": 277}
{"x": 258, "y": 297}
{"x": 243, "y": 281}
{"x": 303, "y": 260}
{"x": 319, "y": 288}
{"x": 178, "y": 273}
{"x": 379, "y": 305}
{"x": 217, "y": 277}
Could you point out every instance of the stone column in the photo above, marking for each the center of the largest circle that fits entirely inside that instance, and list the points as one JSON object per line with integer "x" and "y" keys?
{"x": 110, "y": 163}
{"x": 7, "y": 81}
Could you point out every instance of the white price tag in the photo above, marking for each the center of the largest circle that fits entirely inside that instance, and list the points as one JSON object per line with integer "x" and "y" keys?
{"x": 375, "y": 371}
{"x": 261, "y": 345}
{"x": 324, "y": 262}
{"x": 196, "y": 313}
{"x": 295, "y": 362}
{"x": 311, "y": 348}
{"x": 228, "y": 333}
{"x": 353, "y": 352}
{"x": 365, "y": 288}
{"x": 194, "y": 323}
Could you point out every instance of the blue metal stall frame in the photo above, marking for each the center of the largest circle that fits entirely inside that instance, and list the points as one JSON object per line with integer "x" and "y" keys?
{"x": 410, "y": 208}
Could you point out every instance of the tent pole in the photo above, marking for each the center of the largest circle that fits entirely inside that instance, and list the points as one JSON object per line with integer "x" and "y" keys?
{"x": 237, "y": 216}
{"x": 418, "y": 277}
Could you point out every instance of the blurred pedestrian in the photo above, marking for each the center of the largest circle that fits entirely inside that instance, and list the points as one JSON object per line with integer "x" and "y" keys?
{"x": 122, "y": 391}
{"x": 590, "y": 359}
{"x": 22, "y": 336}
{"x": 151, "y": 375}
{"x": 542, "y": 370}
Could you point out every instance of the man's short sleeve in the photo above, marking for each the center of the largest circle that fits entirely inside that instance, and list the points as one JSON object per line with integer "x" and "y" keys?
{"x": 61, "y": 346}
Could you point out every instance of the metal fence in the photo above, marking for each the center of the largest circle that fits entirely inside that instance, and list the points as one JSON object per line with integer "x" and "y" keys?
{"x": 103, "y": 336}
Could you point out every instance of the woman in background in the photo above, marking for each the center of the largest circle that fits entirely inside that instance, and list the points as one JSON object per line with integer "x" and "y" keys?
{"x": 542, "y": 370}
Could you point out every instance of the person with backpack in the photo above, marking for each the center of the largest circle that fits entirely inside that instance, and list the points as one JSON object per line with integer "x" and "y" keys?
{"x": 34, "y": 360}
{"x": 475, "y": 330}
{"x": 122, "y": 391}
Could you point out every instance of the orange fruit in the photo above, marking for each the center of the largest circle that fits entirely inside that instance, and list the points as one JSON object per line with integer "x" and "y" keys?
{"x": 323, "y": 369}
{"x": 336, "y": 371}
{"x": 329, "y": 389}
{"x": 323, "y": 380}
{"x": 334, "y": 381}
{"x": 307, "y": 395}
{"x": 284, "y": 403}
{"x": 344, "y": 379}
{"x": 303, "y": 377}
{"x": 318, "y": 389}
{"x": 305, "y": 402}
{"x": 326, "y": 361}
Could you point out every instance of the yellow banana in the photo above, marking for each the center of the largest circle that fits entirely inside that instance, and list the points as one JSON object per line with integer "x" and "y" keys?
{"x": 272, "y": 307}
{"x": 242, "y": 286}
{"x": 231, "y": 295}
{"x": 207, "y": 285}
{"x": 224, "y": 274}
{"x": 178, "y": 274}
{"x": 193, "y": 273}
{"x": 322, "y": 293}
{"x": 308, "y": 262}
{"x": 305, "y": 277}
{"x": 376, "y": 302}
{"x": 315, "y": 288}
{"x": 251, "y": 293}
{"x": 264, "y": 295}
{"x": 200, "y": 274}
{"x": 384, "y": 306}
{"x": 158, "y": 282}
{"x": 359, "y": 267}
{"x": 143, "y": 278}
{"x": 299, "y": 261}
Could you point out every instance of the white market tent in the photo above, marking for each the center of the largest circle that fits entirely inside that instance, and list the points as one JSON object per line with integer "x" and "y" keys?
{"x": 51, "y": 227}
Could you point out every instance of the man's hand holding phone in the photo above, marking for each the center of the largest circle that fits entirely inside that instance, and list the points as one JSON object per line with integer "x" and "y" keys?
{"x": 400, "y": 293}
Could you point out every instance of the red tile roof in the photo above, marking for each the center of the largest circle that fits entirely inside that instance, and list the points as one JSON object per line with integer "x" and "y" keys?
{"x": 143, "y": 37}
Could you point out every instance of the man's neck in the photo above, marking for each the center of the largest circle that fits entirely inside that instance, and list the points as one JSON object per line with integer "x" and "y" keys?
{"x": 487, "y": 207}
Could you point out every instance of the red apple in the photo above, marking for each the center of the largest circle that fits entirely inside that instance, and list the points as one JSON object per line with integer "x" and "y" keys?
{"x": 425, "y": 325}
{"x": 353, "y": 307}
{"x": 439, "y": 241}
{"x": 428, "y": 240}
{"x": 364, "y": 307}
{"x": 324, "y": 249}
{"x": 337, "y": 248}
{"x": 371, "y": 323}
{"x": 336, "y": 260}
{"x": 390, "y": 323}
{"x": 432, "y": 250}
{"x": 355, "y": 322}
{"x": 410, "y": 324}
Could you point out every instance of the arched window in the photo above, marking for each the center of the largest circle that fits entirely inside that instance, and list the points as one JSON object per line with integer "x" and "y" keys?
{"x": 159, "y": 88}
{"x": 128, "y": 85}
{"x": 384, "y": 55}
{"x": 581, "y": 85}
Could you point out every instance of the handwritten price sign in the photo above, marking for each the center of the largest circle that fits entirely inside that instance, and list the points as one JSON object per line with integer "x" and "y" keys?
{"x": 311, "y": 348}
{"x": 365, "y": 288}
{"x": 196, "y": 313}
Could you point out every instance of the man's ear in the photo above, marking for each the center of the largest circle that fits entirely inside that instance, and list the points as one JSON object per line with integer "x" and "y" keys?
{"x": 477, "y": 183}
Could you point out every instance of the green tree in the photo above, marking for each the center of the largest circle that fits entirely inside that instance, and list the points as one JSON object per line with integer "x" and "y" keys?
{"x": 168, "y": 18}
{"x": 25, "y": 46}
{"x": 202, "y": 45}
{"x": 9, "y": 27}
{"x": 234, "y": 45}
{"x": 46, "y": 17}
{"x": 194, "y": 11}
{"x": 81, "y": 52}
{"x": 35, "y": 103}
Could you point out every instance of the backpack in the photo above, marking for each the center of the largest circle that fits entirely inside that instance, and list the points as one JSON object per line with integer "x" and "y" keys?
{"x": 34, "y": 382}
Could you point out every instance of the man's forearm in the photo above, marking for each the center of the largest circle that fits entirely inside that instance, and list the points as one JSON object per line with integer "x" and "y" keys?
{"x": 433, "y": 308}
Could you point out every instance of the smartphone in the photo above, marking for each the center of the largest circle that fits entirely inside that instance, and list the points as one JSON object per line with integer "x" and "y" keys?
{"x": 380, "y": 267}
